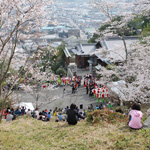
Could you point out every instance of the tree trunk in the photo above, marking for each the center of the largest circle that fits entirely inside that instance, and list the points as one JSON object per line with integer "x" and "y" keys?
{"x": 125, "y": 47}
{"x": 1, "y": 101}
{"x": 121, "y": 102}
{"x": 37, "y": 102}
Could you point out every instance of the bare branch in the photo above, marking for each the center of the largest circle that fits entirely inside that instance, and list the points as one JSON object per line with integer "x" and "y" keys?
{"x": 10, "y": 36}
{"x": 12, "y": 55}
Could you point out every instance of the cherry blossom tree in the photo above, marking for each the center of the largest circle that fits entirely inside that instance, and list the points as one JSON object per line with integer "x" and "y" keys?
{"x": 19, "y": 20}
{"x": 135, "y": 74}
{"x": 118, "y": 15}
{"x": 142, "y": 7}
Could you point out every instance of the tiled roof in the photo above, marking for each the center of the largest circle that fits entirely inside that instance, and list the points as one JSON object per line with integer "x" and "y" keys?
{"x": 67, "y": 52}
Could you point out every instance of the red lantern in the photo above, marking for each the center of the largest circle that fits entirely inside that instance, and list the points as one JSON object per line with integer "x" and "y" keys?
{"x": 103, "y": 96}
{"x": 107, "y": 95}
{"x": 94, "y": 91}
{"x": 97, "y": 95}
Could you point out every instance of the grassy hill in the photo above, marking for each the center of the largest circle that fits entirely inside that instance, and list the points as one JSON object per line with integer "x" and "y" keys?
{"x": 30, "y": 134}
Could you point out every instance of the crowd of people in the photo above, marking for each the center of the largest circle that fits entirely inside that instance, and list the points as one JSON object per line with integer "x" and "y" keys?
{"x": 93, "y": 88}
{"x": 76, "y": 83}
{"x": 89, "y": 84}
{"x": 11, "y": 114}
{"x": 71, "y": 115}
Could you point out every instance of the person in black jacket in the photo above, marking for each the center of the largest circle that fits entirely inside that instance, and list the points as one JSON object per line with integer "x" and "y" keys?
{"x": 73, "y": 115}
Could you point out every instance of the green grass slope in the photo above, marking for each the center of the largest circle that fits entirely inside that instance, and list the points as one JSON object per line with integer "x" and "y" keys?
{"x": 30, "y": 134}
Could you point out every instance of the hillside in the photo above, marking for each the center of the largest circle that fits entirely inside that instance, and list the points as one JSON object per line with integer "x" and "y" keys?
{"x": 30, "y": 134}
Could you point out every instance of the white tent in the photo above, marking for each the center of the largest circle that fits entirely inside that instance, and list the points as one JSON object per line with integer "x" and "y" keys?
{"x": 26, "y": 105}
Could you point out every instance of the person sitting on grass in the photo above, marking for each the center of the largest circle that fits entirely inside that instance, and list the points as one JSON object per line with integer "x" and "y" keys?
{"x": 9, "y": 116}
{"x": 135, "y": 117}
{"x": 17, "y": 112}
{"x": 49, "y": 115}
{"x": 73, "y": 115}
{"x": 60, "y": 117}
{"x": 101, "y": 106}
{"x": 96, "y": 107}
{"x": 40, "y": 116}
{"x": 23, "y": 110}
{"x": 36, "y": 113}
{"x": 29, "y": 113}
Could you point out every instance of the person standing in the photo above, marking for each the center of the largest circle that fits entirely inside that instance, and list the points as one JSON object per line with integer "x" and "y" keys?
{"x": 73, "y": 88}
{"x": 87, "y": 89}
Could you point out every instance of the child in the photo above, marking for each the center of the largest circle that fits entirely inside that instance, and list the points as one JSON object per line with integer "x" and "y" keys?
{"x": 135, "y": 117}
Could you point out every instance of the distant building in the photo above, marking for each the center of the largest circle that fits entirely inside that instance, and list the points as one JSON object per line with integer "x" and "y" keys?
{"x": 115, "y": 47}
{"x": 83, "y": 55}
{"x": 67, "y": 56}
{"x": 50, "y": 38}
{"x": 102, "y": 53}
{"x": 63, "y": 34}
{"x": 75, "y": 32}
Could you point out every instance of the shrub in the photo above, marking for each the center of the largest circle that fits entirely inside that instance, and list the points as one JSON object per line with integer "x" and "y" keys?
{"x": 60, "y": 71}
{"x": 29, "y": 75}
{"x": 99, "y": 76}
{"x": 130, "y": 79}
{"x": 110, "y": 67}
{"x": 106, "y": 116}
{"x": 114, "y": 78}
